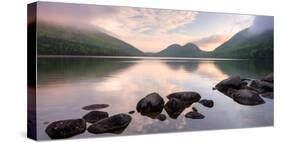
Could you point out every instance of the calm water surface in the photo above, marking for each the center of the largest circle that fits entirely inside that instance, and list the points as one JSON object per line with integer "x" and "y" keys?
{"x": 65, "y": 85}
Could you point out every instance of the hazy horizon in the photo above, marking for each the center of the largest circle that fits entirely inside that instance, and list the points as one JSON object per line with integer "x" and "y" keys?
{"x": 152, "y": 30}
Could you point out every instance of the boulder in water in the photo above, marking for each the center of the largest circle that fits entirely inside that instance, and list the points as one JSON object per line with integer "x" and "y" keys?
{"x": 151, "y": 105}
{"x": 111, "y": 124}
{"x": 174, "y": 107}
{"x": 66, "y": 128}
{"x": 188, "y": 97}
{"x": 95, "y": 116}
{"x": 247, "y": 97}
{"x": 194, "y": 115}
{"x": 207, "y": 103}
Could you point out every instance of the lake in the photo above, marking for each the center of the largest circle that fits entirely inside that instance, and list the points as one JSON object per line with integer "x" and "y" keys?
{"x": 66, "y": 84}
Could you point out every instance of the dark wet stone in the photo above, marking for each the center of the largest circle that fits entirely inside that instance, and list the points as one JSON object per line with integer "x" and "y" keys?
{"x": 207, "y": 103}
{"x": 194, "y": 109}
{"x": 161, "y": 117}
{"x": 194, "y": 115}
{"x": 231, "y": 82}
{"x": 268, "y": 95}
{"x": 111, "y": 124}
{"x": 262, "y": 86}
{"x": 66, "y": 128}
{"x": 95, "y": 106}
{"x": 187, "y": 97}
{"x": 95, "y": 116}
{"x": 151, "y": 105}
{"x": 174, "y": 107}
{"x": 268, "y": 78}
{"x": 247, "y": 97}
{"x": 131, "y": 112}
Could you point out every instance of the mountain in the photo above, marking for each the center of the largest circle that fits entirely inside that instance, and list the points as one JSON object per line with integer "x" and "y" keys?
{"x": 188, "y": 50}
{"x": 54, "y": 39}
{"x": 246, "y": 44}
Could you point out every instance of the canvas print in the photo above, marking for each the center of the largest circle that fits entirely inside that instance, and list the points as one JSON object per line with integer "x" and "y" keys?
{"x": 98, "y": 70}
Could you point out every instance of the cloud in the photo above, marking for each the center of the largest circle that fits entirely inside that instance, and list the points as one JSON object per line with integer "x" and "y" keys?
{"x": 262, "y": 23}
{"x": 72, "y": 14}
{"x": 129, "y": 21}
{"x": 150, "y": 30}
{"x": 211, "y": 42}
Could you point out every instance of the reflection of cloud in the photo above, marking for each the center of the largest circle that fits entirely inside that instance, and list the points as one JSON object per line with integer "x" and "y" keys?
{"x": 211, "y": 42}
{"x": 211, "y": 71}
{"x": 154, "y": 76}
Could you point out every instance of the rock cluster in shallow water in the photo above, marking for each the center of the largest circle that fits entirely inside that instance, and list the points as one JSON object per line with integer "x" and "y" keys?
{"x": 247, "y": 91}
{"x": 241, "y": 90}
{"x": 176, "y": 104}
{"x": 100, "y": 122}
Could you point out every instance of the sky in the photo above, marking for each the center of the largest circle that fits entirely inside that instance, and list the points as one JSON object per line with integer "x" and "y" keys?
{"x": 150, "y": 30}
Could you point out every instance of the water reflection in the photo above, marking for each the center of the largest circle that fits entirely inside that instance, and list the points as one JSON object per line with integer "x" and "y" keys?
{"x": 65, "y": 85}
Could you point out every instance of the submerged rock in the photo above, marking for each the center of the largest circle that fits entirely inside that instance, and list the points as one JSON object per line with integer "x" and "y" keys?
{"x": 151, "y": 105}
{"x": 161, "y": 117}
{"x": 95, "y": 116}
{"x": 194, "y": 115}
{"x": 131, "y": 112}
{"x": 95, "y": 106}
{"x": 207, "y": 103}
{"x": 268, "y": 95}
{"x": 111, "y": 124}
{"x": 66, "y": 128}
{"x": 187, "y": 97}
{"x": 174, "y": 107}
{"x": 231, "y": 82}
{"x": 247, "y": 97}
{"x": 268, "y": 78}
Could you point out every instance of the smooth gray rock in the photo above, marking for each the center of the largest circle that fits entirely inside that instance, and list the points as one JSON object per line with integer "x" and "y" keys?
{"x": 95, "y": 116}
{"x": 247, "y": 97}
{"x": 194, "y": 115}
{"x": 188, "y": 97}
{"x": 131, "y": 112}
{"x": 95, "y": 106}
{"x": 151, "y": 105}
{"x": 111, "y": 124}
{"x": 207, "y": 103}
{"x": 66, "y": 128}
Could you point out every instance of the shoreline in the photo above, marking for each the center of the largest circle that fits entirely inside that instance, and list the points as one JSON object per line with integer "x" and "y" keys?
{"x": 140, "y": 57}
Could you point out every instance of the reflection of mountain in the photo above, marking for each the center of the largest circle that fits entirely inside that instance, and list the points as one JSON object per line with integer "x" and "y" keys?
{"x": 62, "y": 40}
{"x": 187, "y": 66}
{"x": 70, "y": 69}
{"x": 218, "y": 69}
{"x": 188, "y": 50}
{"x": 245, "y": 68}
